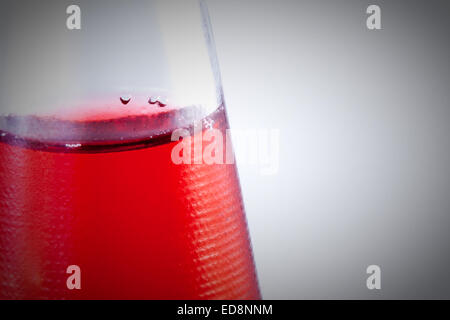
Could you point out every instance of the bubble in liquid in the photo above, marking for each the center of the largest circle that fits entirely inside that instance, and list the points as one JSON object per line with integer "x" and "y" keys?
{"x": 125, "y": 99}
{"x": 73, "y": 145}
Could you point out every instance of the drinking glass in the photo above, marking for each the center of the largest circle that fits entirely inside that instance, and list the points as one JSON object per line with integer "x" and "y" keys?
{"x": 117, "y": 176}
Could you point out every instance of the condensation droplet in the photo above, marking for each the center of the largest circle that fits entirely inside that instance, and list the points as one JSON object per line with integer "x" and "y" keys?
{"x": 125, "y": 99}
{"x": 152, "y": 100}
{"x": 158, "y": 100}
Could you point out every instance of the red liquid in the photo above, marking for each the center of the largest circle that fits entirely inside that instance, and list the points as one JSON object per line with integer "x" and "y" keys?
{"x": 138, "y": 226}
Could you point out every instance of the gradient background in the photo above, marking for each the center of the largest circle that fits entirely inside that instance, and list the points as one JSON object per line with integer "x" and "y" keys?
{"x": 364, "y": 174}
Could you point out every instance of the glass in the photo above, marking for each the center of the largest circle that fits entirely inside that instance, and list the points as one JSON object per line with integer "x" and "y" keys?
{"x": 108, "y": 110}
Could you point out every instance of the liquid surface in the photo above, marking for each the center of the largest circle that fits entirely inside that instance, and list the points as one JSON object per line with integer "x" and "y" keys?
{"x": 138, "y": 226}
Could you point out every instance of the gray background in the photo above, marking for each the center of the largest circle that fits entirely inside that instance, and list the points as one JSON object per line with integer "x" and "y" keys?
{"x": 363, "y": 116}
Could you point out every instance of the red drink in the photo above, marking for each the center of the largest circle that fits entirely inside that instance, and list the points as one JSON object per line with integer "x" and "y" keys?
{"x": 106, "y": 196}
